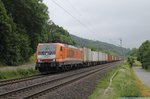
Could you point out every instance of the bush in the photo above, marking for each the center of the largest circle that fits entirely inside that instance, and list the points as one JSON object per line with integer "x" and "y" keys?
{"x": 144, "y": 54}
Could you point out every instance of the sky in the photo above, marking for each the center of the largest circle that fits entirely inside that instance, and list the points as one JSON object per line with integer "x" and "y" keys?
{"x": 104, "y": 20}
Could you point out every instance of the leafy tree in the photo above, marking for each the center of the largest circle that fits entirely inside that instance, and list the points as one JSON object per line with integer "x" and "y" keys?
{"x": 11, "y": 42}
{"x": 24, "y": 24}
{"x": 30, "y": 16}
{"x": 133, "y": 52}
{"x": 130, "y": 60}
{"x": 144, "y": 54}
{"x": 59, "y": 34}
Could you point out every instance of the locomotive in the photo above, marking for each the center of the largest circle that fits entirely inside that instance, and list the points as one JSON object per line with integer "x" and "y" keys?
{"x": 60, "y": 57}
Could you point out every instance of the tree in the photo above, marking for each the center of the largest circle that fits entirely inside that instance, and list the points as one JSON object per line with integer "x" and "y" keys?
{"x": 130, "y": 60}
{"x": 59, "y": 34}
{"x": 11, "y": 42}
{"x": 31, "y": 16}
{"x": 24, "y": 24}
{"x": 133, "y": 52}
{"x": 144, "y": 54}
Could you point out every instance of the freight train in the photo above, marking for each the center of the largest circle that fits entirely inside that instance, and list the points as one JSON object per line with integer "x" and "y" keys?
{"x": 60, "y": 57}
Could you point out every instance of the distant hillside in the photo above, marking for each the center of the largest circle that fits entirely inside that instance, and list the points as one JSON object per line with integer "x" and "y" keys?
{"x": 99, "y": 45}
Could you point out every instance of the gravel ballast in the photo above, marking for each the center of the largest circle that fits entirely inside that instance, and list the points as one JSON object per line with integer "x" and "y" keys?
{"x": 79, "y": 90}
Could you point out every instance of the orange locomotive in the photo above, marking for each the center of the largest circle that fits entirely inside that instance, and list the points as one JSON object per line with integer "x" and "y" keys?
{"x": 57, "y": 56}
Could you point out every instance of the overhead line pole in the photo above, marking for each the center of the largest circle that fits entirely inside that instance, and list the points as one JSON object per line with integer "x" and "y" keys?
{"x": 121, "y": 45}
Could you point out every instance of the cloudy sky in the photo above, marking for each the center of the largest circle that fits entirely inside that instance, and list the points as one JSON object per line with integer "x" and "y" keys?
{"x": 104, "y": 20}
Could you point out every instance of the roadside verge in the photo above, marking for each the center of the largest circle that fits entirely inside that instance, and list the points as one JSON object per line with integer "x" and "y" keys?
{"x": 124, "y": 84}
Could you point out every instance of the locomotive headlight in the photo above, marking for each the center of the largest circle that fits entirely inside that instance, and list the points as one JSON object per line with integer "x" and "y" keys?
{"x": 39, "y": 60}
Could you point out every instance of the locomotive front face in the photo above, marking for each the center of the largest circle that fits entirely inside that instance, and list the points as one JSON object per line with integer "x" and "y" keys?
{"x": 46, "y": 53}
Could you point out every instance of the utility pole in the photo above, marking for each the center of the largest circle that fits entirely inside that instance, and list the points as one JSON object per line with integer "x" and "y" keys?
{"x": 120, "y": 42}
{"x": 121, "y": 46}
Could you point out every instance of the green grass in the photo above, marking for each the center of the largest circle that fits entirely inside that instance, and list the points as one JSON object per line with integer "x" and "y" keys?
{"x": 123, "y": 85}
{"x": 102, "y": 85}
{"x": 18, "y": 73}
{"x": 137, "y": 63}
{"x": 1, "y": 66}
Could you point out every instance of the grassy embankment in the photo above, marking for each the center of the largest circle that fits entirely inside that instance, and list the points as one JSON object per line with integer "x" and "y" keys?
{"x": 18, "y": 73}
{"x": 124, "y": 84}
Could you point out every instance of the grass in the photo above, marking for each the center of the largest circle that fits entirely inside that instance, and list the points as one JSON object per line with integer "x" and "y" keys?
{"x": 144, "y": 90}
{"x": 125, "y": 84}
{"x": 137, "y": 63}
{"x": 2, "y": 66}
{"x": 18, "y": 73}
{"x": 102, "y": 85}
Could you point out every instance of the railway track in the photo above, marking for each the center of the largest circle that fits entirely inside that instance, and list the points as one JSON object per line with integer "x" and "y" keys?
{"x": 38, "y": 89}
{"x": 17, "y": 80}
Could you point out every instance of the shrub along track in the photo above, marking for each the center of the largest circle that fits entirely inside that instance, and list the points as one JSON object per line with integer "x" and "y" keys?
{"x": 41, "y": 88}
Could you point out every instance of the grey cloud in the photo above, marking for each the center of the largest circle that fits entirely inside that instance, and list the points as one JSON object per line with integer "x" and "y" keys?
{"x": 108, "y": 20}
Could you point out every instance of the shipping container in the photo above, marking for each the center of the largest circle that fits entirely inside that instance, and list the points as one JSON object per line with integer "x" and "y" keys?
{"x": 94, "y": 56}
{"x": 112, "y": 58}
{"x": 103, "y": 57}
{"x": 106, "y": 57}
{"x": 109, "y": 58}
{"x": 100, "y": 56}
{"x": 87, "y": 55}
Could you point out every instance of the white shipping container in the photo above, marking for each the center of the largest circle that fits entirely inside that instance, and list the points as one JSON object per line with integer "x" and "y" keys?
{"x": 103, "y": 57}
{"x": 100, "y": 56}
{"x": 94, "y": 56}
{"x": 106, "y": 57}
{"x": 113, "y": 58}
{"x": 87, "y": 55}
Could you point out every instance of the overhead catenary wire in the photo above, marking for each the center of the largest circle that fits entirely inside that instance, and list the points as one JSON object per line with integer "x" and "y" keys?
{"x": 71, "y": 5}
{"x": 72, "y": 16}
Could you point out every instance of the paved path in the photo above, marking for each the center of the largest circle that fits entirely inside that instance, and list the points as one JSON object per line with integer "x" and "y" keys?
{"x": 16, "y": 67}
{"x": 143, "y": 75}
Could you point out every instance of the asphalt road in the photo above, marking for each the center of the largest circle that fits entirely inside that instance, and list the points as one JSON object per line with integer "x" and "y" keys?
{"x": 143, "y": 75}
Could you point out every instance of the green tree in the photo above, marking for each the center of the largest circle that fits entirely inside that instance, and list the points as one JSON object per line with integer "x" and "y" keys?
{"x": 11, "y": 42}
{"x": 144, "y": 54}
{"x": 133, "y": 52}
{"x": 30, "y": 16}
{"x": 130, "y": 60}
{"x": 59, "y": 34}
{"x": 24, "y": 24}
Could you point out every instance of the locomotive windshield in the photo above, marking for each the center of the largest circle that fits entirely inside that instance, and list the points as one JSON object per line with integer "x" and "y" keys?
{"x": 47, "y": 49}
